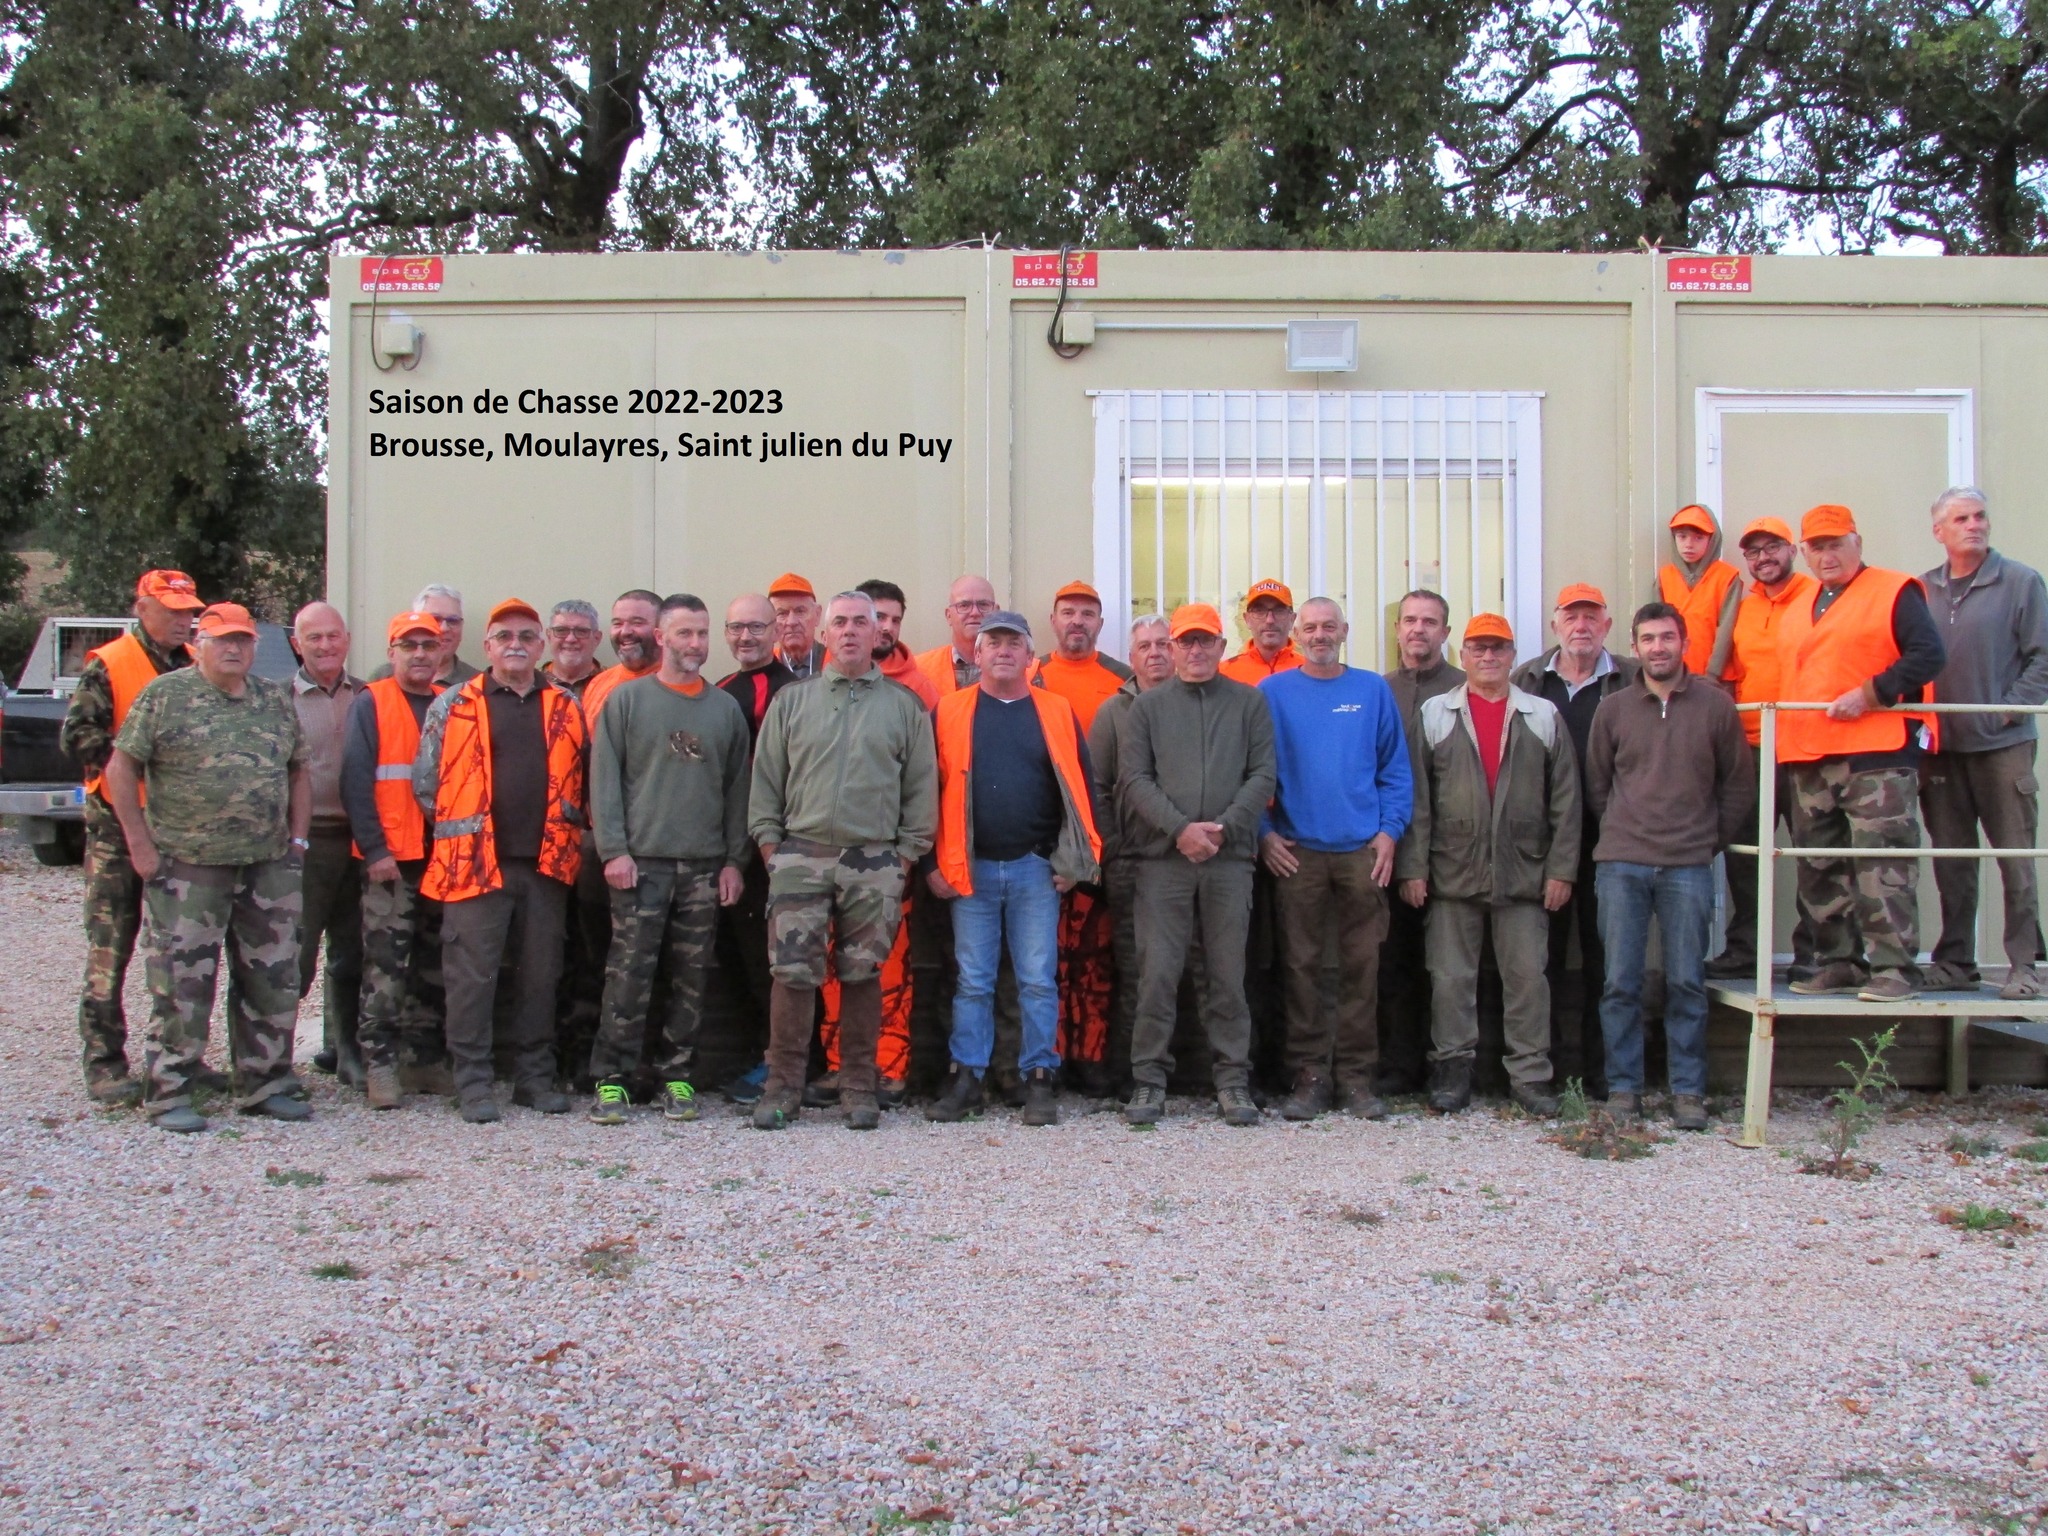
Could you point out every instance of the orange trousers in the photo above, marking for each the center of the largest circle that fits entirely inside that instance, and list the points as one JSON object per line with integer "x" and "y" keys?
{"x": 1087, "y": 974}
{"x": 892, "y": 1054}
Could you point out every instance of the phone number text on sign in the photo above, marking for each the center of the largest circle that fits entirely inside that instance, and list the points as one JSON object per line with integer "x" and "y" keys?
{"x": 401, "y": 274}
{"x": 1707, "y": 274}
{"x": 1043, "y": 271}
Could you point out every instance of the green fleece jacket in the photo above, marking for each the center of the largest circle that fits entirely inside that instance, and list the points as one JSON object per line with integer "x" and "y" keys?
{"x": 1195, "y": 752}
{"x": 848, "y": 762}
{"x": 668, "y": 774}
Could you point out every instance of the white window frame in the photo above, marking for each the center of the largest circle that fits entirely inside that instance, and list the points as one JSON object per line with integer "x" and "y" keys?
{"x": 1519, "y": 413}
{"x": 1713, "y": 405}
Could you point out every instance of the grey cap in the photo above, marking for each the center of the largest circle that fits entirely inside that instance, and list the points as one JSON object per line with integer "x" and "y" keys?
{"x": 1003, "y": 618}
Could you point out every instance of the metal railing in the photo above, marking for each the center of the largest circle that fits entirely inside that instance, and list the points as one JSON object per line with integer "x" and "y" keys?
{"x": 1764, "y": 1006}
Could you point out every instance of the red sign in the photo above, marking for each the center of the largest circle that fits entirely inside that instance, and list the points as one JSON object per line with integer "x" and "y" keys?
{"x": 1707, "y": 274}
{"x": 401, "y": 274}
{"x": 1043, "y": 271}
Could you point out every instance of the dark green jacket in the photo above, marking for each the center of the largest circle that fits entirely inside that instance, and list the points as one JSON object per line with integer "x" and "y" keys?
{"x": 1195, "y": 752}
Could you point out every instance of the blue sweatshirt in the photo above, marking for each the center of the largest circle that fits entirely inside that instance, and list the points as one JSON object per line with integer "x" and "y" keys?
{"x": 1344, "y": 774}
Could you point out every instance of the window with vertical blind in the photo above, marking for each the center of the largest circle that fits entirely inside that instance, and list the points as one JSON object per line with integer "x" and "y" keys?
{"x": 1359, "y": 496}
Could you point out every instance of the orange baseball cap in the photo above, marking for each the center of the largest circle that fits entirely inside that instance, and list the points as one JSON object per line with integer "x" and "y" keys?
{"x": 1827, "y": 521}
{"x": 789, "y": 584}
{"x": 1578, "y": 592}
{"x": 174, "y": 589}
{"x": 1078, "y": 589}
{"x": 1770, "y": 527}
{"x": 1491, "y": 626}
{"x": 1694, "y": 516}
{"x": 412, "y": 623}
{"x": 1194, "y": 618}
{"x": 512, "y": 605}
{"x": 1277, "y": 590}
{"x": 225, "y": 619}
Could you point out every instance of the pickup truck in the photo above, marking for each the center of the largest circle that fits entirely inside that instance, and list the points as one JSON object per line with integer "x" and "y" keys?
{"x": 41, "y": 788}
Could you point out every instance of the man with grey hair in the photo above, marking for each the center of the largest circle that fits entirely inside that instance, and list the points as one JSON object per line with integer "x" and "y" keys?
{"x": 323, "y": 693}
{"x": 1996, "y": 625}
{"x": 445, "y": 604}
{"x": 573, "y": 633}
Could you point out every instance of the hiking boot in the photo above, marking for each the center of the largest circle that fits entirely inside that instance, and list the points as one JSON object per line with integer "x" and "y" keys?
{"x": 678, "y": 1101}
{"x": 746, "y": 1088}
{"x": 609, "y": 1107}
{"x": 1235, "y": 1105}
{"x": 1731, "y": 965}
{"x": 548, "y": 1099}
{"x": 1835, "y": 976}
{"x": 860, "y": 1109}
{"x": 890, "y": 1092}
{"x": 1358, "y": 1103}
{"x": 324, "y": 1060}
{"x": 1534, "y": 1099}
{"x": 380, "y": 1085}
{"x": 962, "y": 1097}
{"x": 778, "y": 1111}
{"x": 1887, "y": 987}
{"x": 822, "y": 1092}
{"x": 1450, "y": 1085}
{"x": 281, "y": 1106}
{"x": 1147, "y": 1104}
{"x": 481, "y": 1109}
{"x": 1311, "y": 1096}
{"x": 1041, "y": 1101}
{"x": 349, "y": 1070}
{"x": 1624, "y": 1106}
{"x": 431, "y": 1077}
{"x": 2024, "y": 985}
{"x": 1948, "y": 976}
{"x": 184, "y": 1120}
{"x": 1688, "y": 1112}
{"x": 114, "y": 1090}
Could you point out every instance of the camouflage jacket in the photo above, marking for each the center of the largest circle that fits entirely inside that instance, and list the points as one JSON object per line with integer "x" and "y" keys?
{"x": 88, "y": 733}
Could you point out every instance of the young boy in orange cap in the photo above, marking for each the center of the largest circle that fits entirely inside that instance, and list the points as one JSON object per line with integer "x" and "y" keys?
{"x": 1704, "y": 588}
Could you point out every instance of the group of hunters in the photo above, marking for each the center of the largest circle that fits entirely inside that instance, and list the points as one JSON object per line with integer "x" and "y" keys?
{"x": 524, "y": 873}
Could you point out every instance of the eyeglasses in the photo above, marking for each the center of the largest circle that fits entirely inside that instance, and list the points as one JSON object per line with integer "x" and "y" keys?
{"x": 977, "y": 605}
{"x": 756, "y": 629}
{"x": 416, "y": 645}
{"x": 573, "y": 632}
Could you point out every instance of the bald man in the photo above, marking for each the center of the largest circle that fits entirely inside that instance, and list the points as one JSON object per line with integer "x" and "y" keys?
{"x": 951, "y": 666}
{"x": 324, "y": 691}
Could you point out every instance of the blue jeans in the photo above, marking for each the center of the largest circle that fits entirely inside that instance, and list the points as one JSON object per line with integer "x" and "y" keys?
{"x": 1681, "y": 898}
{"x": 1014, "y": 900}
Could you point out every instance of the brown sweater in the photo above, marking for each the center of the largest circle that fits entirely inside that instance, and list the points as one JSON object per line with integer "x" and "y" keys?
{"x": 1669, "y": 780}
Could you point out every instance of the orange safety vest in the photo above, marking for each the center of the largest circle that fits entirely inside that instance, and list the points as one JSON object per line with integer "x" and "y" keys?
{"x": 398, "y": 743}
{"x": 1701, "y": 604}
{"x": 937, "y": 665}
{"x": 130, "y": 670}
{"x": 1822, "y": 659}
{"x": 464, "y": 861}
{"x": 955, "y": 731}
{"x": 1753, "y": 664}
{"x": 1087, "y": 685}
{"x": 1250, "y": 668}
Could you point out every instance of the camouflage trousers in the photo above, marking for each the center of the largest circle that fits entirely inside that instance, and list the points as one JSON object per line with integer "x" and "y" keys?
{"x": 402, "y": 997}
{"x": 1858, "y": 909}
{"x": 113, "y": 916}
{"x": 847, "y": 899}
{"x": 672, "y": 913}
{"x": 188, "y": 911}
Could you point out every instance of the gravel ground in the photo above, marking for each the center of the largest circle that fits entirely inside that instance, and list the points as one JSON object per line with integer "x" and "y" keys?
{"x": 555, "y": 1327}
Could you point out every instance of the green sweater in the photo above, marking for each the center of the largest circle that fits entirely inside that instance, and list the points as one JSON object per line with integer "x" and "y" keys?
{"x": 847, "y": 762}
{"x": 1194, "y": 752}
{"x": 668, "y": 774}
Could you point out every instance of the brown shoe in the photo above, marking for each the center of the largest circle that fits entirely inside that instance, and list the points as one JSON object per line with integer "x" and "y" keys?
{"x": 860, "y": 1110}
{"x": 778, "y": 1111}
{"x": 115, "y": 1090}
{"x": 1887, "y": 987}
{"x": 1311, "y": 1096}
{"x": 1359, "y": 1104}
{"x": 434, "y": 1077}
{"x": 1835, "y": 976}
{"x": 1624, "y": 1106}
{"x": 1688, "y": 1112}
{"x": 381, "y": 1087}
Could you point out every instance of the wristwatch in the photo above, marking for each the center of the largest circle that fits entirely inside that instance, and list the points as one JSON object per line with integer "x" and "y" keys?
{"x": 304, "y": 845}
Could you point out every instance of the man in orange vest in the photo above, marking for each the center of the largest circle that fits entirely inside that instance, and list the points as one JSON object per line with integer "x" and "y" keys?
{"x": 1866, "y": 641}
{"x": 951, "y": 666}
{"x": 1269, "y": 615}
{"x": 500, "y": 772}
{"x": 1079, "y": 673}
{"x": 796, "y": 624}
{"x": 635, "y": 617}
{"x": 1704, "y": 588}
{"x": 1753, "y": 673}
{"x": 400, "y": 1024}
{"x": 1016, "y": 832}
{"x": 165, "y": 603}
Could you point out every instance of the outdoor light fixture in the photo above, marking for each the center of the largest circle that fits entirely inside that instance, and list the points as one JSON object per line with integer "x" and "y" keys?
{"x": 1322, "y": 346}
